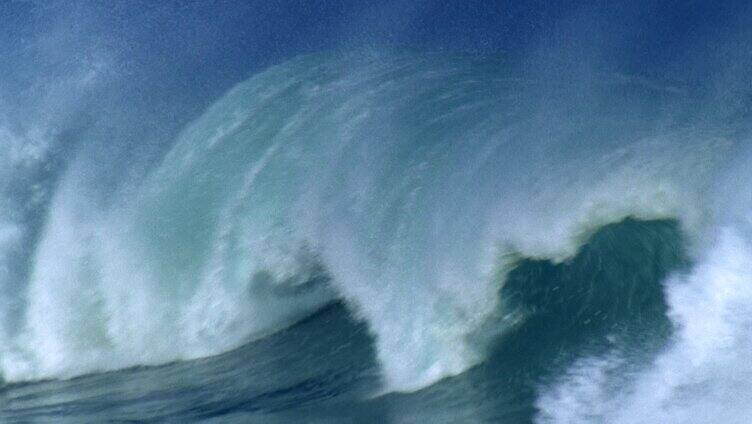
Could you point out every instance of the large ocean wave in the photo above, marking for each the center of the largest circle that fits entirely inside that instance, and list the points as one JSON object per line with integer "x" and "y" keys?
{"x": 411, "y": 187}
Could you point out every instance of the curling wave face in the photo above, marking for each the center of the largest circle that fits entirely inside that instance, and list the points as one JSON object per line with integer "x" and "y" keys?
{"x": 407, "y": 185}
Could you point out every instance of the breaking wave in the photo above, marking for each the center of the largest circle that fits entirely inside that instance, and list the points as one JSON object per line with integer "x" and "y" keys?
{"x": 408, "y": 186}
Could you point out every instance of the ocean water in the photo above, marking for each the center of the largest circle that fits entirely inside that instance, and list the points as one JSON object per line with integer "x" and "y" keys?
{"x": 202, "y": 224}
{"x": 325, "y": 369}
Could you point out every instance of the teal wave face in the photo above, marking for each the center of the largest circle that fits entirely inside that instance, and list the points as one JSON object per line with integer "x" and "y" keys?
{"x": 613, "y": 287}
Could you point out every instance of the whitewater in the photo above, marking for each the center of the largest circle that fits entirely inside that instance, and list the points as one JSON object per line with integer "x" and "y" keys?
{"x": 385, "y": 235}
